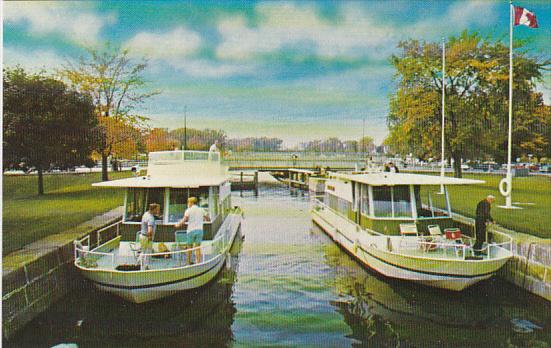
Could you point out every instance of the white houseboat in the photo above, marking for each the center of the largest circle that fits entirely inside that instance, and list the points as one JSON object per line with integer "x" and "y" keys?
{"x": 172, "y": 176}
{"x": 401, "y": 226}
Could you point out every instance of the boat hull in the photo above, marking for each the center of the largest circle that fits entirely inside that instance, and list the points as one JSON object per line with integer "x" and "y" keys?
{"x": 372, "y": 251}
{"x": 148, "y": 285}
{"x": 155, "y": 285}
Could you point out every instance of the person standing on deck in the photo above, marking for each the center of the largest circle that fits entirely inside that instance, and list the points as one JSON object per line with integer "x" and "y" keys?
{"x": 214, "y": 147}
{"x": 147, "y": 233}
{"x": 195, "y": 217}
{"x": 483, "y": 217}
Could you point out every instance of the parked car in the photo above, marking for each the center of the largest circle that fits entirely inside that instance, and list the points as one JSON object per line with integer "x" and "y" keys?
{"x": 546, "y": 168}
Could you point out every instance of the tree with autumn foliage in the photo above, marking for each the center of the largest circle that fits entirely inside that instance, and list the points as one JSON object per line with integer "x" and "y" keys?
{"x": 115, "y": 82}
{"x": 159, "y": 139}
{"x": 477, "y": 79}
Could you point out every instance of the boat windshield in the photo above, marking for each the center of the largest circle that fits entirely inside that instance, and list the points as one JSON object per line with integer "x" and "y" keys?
{"x": 138, "y": 199}
{"x": 178, "y": 201}
{"x": 430, "y": 203}
{"x": 392, "y": 201}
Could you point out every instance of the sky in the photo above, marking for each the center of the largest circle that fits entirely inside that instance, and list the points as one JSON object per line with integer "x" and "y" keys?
{"x": 295, "y": 70}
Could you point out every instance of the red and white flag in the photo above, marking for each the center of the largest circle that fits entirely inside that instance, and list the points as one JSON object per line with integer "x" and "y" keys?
{"x": 525, "y": 17}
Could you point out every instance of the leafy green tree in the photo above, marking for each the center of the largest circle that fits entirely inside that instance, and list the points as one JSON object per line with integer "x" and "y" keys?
{"x": 117, "y": 87}
{"x": 45, "y": 123}
{"x": 477, "y": 71}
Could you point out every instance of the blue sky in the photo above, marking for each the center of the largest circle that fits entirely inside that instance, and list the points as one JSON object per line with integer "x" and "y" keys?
{"x": 295, "y": 70}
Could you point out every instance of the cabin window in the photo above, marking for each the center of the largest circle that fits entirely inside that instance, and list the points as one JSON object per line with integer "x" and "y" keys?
{"x": 382, "y": 201}
{"x": 365, "y": 200}
{"x": 430, "y": 203}
{"x": 391, "y": 201}
{"x": 178, "y": 201}
{"x": 214, "y": 201}
{"x": 338, "y": 204}
{"x": 138, "y": 200}
{"x": 401, "y": 201}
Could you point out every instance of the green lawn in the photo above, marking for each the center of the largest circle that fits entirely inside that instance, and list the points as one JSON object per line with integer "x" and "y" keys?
{"x": 69, "y": 200}
{"x": 533, "y": 219}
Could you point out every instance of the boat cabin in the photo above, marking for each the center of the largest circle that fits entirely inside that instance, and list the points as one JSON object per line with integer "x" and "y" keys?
{"x": 383, "y": 201}
{"x": 172, "y": 177}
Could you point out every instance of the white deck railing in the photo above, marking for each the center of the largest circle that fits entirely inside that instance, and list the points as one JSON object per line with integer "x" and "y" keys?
{"x": 218, "y": 245}
{"x": 428, "y": 242}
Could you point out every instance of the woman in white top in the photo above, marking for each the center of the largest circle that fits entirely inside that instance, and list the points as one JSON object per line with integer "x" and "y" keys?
{"x": 194, "y": 216}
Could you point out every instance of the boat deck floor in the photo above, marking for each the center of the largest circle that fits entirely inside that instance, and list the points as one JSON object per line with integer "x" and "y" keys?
{"x": 124, "y": 255}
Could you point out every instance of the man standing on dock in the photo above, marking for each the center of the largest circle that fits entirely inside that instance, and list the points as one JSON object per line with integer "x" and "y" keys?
{"x": 482, "y": 218}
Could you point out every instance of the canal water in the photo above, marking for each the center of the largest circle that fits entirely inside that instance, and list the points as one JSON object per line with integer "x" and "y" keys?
{"x": 288, "y": 285}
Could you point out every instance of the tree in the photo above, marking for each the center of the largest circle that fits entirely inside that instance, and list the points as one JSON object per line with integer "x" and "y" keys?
{"x": 158, "y": 139}
{"x": 476, "y": 100}
{"x": 45, "y": 123}
{"x": 366, "y": 144}
{"x": 116, "y": 85}
{"x": 198, "y": 139}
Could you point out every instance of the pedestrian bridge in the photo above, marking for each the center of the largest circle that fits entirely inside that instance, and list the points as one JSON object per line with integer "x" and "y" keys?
{"x": 277, "y": 161}
{"x": 281, "y": 161}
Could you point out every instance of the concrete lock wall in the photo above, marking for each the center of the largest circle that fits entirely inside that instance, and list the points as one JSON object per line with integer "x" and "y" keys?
{"x": 43, "y": 272}
{"x": 530, "y": 267}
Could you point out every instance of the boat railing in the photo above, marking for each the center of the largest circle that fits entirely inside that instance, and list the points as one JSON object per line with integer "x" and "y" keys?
{"x": 427, "y": 243}
{"x": 82, "y": 250}
{"x": 161, "y": 157}
{"x": 99, "y": 233}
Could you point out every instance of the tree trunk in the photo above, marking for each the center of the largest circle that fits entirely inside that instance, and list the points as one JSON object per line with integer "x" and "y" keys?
{"x": 457, "y": 165}
{"x": 104, "y": 166}
{"x": 40, "y": 181}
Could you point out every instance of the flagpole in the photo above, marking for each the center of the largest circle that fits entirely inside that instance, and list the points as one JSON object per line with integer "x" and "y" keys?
{"x": 508, "y": 180}
{"x": 442, "y": 159}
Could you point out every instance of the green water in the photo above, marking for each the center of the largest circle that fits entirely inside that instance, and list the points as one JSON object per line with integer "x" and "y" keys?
{"x": 288, "y": 285}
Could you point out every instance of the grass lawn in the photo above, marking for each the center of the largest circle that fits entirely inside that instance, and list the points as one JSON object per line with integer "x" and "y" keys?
{"x": 69, "y": 200}
{"x": 533, "y": 219}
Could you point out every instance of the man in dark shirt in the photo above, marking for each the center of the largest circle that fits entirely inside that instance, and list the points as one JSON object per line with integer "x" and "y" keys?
{"x": 482, "y": 218}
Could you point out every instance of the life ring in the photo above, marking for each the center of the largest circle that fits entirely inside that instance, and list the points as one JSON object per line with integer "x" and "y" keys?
{"x": 505, "y": 193}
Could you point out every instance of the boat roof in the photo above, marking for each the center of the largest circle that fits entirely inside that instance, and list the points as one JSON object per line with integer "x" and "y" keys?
{"x": 393, "y": 179}
{"x": 149, "y": 182}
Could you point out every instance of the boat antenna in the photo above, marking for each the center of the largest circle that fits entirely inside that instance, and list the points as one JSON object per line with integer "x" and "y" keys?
{"x": 185, "y": 127}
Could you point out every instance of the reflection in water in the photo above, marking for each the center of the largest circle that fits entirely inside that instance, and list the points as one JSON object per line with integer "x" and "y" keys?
{"x": 388, "y": 312}
{"x": 92, "y": 318}
{"x": 288, "y": 284}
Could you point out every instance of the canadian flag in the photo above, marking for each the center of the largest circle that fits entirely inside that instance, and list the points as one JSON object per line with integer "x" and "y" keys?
{"x": 525, "y": 17}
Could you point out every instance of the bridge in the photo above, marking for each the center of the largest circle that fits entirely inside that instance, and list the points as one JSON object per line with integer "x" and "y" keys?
{"x": 277, "y": 161}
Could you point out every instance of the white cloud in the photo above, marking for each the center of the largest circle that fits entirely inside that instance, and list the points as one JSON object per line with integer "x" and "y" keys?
{"x": 175, "y": 44}
{"x": 289, "y": 25}
{"x": 43, "y": 18}
{"x": 459, "y": 16}
{"x": 34, "y": 60}
{"x": 177, "y": 48}
{"x": 356, "y": 33}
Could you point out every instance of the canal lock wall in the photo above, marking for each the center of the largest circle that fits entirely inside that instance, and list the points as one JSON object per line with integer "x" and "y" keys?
{"x": 42, "y": 272}
{"x": 530, "y": 267}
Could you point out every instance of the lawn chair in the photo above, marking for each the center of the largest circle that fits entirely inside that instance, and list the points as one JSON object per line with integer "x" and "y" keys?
{"x": 180, "y": 243}
{"x": 435, "y": 236}
{"x": 136, "y": 247}
{"x": 408, "y": 230}
{"x": 453, "y": 236}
